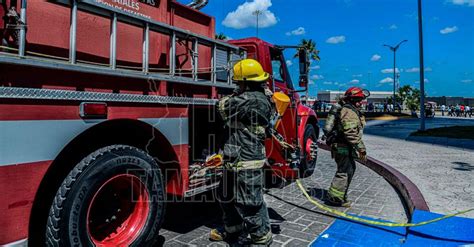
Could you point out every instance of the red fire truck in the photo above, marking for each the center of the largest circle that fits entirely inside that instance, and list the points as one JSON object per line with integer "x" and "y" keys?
{"x": 107, "y": 107}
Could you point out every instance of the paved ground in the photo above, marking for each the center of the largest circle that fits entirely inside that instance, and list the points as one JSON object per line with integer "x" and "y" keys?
{"x": 295, "y": 222}
{"x": 401, "y": 129}
{"x": 443, "y": 174}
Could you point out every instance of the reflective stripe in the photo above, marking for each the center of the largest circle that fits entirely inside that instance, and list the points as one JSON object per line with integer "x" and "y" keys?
{"x": 39, "y": 140}
{"x": 251, "y": 164}
{"x": 336, "y": 193}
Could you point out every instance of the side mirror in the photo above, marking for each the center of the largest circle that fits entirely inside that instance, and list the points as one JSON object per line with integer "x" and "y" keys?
{"x": 303, "y": 63}
{"x": 303, "y": 81}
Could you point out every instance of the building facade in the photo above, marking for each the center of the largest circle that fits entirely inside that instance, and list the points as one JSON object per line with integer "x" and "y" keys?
{"x": 376, "y": 97}
{"x": 446, "y": 100}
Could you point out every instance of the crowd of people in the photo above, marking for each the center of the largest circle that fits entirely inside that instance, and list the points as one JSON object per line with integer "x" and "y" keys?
{"x": 456, "y": 110}
{"x": 381, "y": 107}
{"x": 321, "y": 106}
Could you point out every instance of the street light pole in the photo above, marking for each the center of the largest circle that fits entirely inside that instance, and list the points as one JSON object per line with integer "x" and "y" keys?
{"x": 394, "y": 49}
{"x": 257, "y": 13}
{"x": 422, "y": 68}
{"x": 394, "y": 74}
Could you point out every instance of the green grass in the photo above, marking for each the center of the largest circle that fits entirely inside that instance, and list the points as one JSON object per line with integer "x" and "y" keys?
{"x": 459, "y": 132}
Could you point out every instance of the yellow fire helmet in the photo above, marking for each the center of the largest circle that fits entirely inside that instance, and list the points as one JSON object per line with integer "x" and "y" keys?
{"x": 249, "y": 70}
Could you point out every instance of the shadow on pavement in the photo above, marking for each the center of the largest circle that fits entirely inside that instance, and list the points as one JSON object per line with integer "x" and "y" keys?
{"x": 402, "y": 128}
{"x": 203, "y": 210}
{"x": 463, "y": 166}
{"x": 185, "y": 216}
{"x": 318, "y": 193}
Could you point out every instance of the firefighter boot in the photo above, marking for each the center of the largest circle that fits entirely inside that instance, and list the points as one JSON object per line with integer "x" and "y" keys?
{"x": 220, "y": 234}
{"x": 253, "y": 241}
{"x": 338, "y": 203}
{"x": 337, "y": 199}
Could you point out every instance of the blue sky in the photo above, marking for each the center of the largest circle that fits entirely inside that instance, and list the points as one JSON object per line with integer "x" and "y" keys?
{"x": 350, "y": 35}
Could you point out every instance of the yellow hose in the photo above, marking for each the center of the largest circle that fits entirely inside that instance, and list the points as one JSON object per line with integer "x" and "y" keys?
{"x": 373, "y": 222}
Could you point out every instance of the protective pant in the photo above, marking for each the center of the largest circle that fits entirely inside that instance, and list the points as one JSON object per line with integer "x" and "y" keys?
{"x": 240, "y": 195}
{"x": 345, "y": 171}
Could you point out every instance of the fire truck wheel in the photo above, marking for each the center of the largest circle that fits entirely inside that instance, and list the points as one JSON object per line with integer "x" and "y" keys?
{"x": 113, "y": 197}
{"x": 308, "y": 164}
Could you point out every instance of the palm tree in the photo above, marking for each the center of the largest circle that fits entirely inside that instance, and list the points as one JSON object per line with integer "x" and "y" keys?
{"x": 221, "y": 36}
{"x": 310, "y": 46}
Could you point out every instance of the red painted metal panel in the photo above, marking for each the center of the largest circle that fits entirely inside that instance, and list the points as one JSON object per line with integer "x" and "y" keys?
{"x": 92, "y": 37}
{"x": 48, "y": 32}
{"x": 178, "y": 182}
{"x": 17, "y": 112}
{"x": 18, "y": 186}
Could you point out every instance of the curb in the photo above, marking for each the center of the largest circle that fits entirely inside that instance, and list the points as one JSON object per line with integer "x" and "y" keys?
{"x": 412, "y": 196}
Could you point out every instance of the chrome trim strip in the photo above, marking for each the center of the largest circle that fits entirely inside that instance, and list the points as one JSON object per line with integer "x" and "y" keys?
{"x": 55, "y": 94}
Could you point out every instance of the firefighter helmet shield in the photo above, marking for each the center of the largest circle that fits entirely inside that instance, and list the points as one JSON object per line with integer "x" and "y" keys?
{"x": 249, "y": 70}
{"x": 356, "y": 93}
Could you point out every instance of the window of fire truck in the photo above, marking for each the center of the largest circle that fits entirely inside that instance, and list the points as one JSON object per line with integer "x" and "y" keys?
{"x": 279, "y": 70}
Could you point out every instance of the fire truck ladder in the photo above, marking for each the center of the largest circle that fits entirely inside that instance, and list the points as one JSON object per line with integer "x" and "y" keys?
{"x": 222, "y": 54}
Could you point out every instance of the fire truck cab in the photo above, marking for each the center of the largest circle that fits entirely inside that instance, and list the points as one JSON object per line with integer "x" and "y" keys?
{"x": 108, "y": 106}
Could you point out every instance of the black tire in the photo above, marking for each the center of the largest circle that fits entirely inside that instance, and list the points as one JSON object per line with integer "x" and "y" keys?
{"x": 69, "y": 223}
{"x": 307, "y": 168}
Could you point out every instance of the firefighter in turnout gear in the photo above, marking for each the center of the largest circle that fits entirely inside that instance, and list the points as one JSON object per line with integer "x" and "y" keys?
{"x": 246, "y": 114}
{"x": 343, "y": 131}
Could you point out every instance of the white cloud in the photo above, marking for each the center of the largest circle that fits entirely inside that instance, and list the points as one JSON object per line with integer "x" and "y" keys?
{"x": 387, "y": 80}
{"x": 363, "y": 85}
{"x": 358, "y": 75}
{"x": 447, "y": 30}
{"x": 298, "y": 31}
{"x": 426, "y": 81}
{"x": 289, "y": 63}
{"x": 390, "y": 71}
{"x": 463, "y": 2}
{"x": 393, "y": 27}
{"x": 416, "y": 70}
{"x": 413, "y": 70}
{"x": 375, "y": 57}
{"x": 317, "y": 77}
{"x": 311, "y": 82}
{"x": 355, "y": 81}
{"x": 336, "y": 39}
{"x": 243, "y": 16}
{"x": 328, "y": 83}
{"x": 316, "y": 67}
{"x": 466, "y": 81}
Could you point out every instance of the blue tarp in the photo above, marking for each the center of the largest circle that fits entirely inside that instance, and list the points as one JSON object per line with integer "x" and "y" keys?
{"x": 453, "y": 231}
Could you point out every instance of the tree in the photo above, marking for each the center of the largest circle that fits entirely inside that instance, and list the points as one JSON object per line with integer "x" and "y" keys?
{"x": 221, "y": 36}
{"x": 410, "y": 97}
{"x": 310, "y": 46}
{"x": 403, "y": 93}
{"x": 413, "y": 100}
